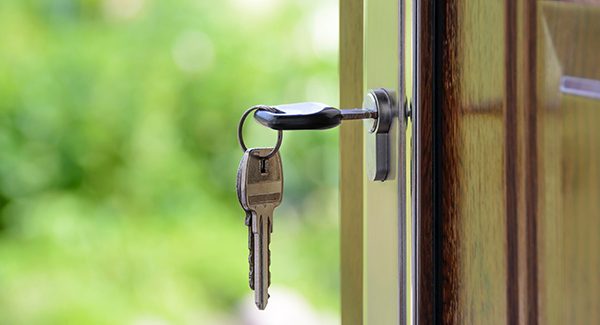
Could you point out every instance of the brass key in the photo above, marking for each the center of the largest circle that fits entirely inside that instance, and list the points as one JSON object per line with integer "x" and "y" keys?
{"x": 260, "y": 189}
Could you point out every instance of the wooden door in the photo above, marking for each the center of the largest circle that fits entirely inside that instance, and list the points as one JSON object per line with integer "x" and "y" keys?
{"x": 501, "y": 219}
{"x": 508, "y": 162}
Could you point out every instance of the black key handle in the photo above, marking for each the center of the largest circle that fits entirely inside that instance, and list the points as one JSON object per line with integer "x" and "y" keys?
{"x": 308, "y": 116}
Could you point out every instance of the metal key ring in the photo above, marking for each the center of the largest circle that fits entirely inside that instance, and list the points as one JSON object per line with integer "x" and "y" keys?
{"x": 241, "y": 127}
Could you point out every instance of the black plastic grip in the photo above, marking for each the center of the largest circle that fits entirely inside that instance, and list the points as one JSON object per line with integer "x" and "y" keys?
{"x": 300, "y": 116}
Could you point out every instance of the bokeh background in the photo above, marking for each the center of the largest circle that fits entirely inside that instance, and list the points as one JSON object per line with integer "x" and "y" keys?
{"x": 118, "y": 158}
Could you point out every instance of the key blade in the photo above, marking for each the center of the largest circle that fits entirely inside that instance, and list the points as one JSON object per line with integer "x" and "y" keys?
{"x": 262, "y": 259}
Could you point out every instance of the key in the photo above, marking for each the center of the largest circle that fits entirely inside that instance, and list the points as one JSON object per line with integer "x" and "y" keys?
{"x": 260, "y": 191}
{"x": 248, "y": 218}
{"x": 309, "y": 116}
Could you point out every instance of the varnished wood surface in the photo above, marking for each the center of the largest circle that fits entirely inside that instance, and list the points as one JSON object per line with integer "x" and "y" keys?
{"x": 426, "y": 242}
{"x": 461, "y": 198}
{"x": 507, "y": 180}
{"x": 569, "y": 166}
{"x": 351, "y": 159}
{"x": 476, "y": 146}
{"x": 527, "y": 152}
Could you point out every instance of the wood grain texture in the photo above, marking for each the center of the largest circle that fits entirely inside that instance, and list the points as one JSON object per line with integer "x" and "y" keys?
{"x": 351, "y": 159}
{"x": 569, "y": 166}
{"x": 483, "y": 161}
{"x": 461, "y": 194}
{"x": 426, "y": 241}
{"x": 477, "y": 175}
{"x": 527, "y": 153}
{"x": 508, "y": 168}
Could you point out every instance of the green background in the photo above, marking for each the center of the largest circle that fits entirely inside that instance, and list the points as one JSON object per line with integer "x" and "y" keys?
{"x": 118, "y": 157}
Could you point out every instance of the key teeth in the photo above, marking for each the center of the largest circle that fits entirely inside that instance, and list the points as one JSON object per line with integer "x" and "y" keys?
{"x": 250, "y": 259}
{"x": 269, "y": 254}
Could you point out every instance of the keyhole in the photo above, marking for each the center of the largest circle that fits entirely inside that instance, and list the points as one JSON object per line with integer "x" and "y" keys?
{"x": 263, "y": 166}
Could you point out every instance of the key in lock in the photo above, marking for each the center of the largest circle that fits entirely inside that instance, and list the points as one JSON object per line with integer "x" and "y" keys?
{"x": 379, "y": 110}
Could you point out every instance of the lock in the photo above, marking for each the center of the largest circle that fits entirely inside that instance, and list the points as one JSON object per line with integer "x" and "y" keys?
{"x": 377, "y": 144}
{"x": 378, "y": 113}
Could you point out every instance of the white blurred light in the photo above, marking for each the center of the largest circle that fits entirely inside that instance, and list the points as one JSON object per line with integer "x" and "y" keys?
{"x": 284, "y": 307}
{"x": 193, "y": 52}
{"x": 123, "y": 9}
{"x": 324, "y": 25}
{"x": 321, "y": 90}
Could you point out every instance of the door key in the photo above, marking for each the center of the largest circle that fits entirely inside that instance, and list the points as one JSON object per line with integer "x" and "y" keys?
{"x": 260, "y": 189}
{"x": 260, "y": 175}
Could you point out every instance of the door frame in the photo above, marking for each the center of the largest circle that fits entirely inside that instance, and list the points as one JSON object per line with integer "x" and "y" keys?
{"x": 375, "y": 277}
{"x": 351, "y": 162}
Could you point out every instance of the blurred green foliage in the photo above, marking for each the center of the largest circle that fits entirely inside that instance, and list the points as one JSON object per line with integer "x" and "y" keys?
{"x": 118, "y": 156}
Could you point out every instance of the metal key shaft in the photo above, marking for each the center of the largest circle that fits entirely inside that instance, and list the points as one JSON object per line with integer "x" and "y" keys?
{"x": 262, "y": 221}
{"x": 358, "y": 114}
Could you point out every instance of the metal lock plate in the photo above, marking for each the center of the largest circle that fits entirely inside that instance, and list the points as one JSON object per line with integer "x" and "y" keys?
{"x": 377, "y": 145}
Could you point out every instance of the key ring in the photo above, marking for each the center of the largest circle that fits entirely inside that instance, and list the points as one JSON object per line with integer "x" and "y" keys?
{"x": 241, "y": 126}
